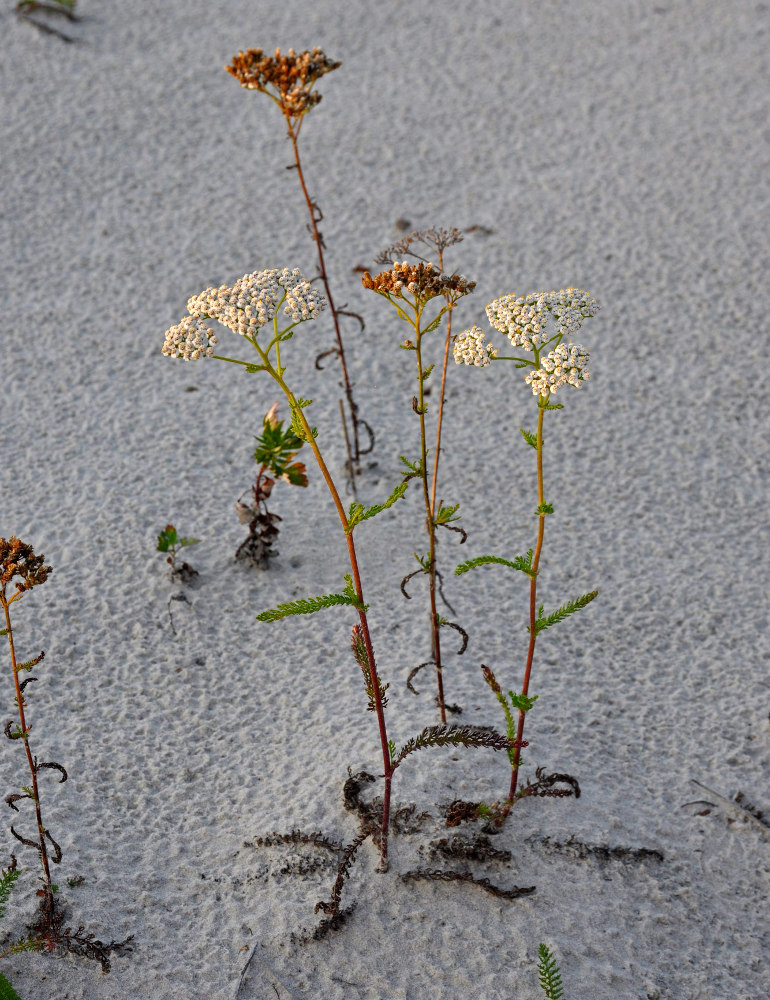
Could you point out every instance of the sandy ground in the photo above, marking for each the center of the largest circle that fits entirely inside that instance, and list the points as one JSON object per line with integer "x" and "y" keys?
{"x": 616, "y": 146}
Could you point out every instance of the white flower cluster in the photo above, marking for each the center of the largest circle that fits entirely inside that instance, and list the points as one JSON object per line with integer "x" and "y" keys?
{"x": 469, "y": 348}
{"x": 254, "y": 299}
{"x": 189, "y": 339}
{"x": 526, "y": 320}
{"x": 562, "y": 366}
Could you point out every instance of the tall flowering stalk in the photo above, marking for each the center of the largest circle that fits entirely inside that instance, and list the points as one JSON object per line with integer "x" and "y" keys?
{"x": 20, "y": 567}
{"x": 253, "y": 302}
{"x": 537, "y": 325}
{"x": 260, "y": 300}
{"x": 411, "y": 288}
{"x": 289, "y": 80}
{"x": 19, "y": 563}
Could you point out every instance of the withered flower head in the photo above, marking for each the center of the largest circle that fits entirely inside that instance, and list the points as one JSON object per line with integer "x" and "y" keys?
{"x": 288, "y": 79}
{"x": 422, "y": 280}
{"x": 437, "y": 239}
{"x": 18, "y": 559}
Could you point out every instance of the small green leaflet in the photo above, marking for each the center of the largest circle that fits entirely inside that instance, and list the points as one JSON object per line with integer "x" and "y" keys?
{"x": 309, "y": 605}
{"x": 415, "y": 468}
{"x": 359, "y": 513}
{"x": 447, "y": 514}
{"x": 522, "y": 701}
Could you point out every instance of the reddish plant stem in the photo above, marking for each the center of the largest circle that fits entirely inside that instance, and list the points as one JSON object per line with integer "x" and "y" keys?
{"x": 440, "y": 417}
{"x": 355, "y": 455}
{"x": 432, "y": 505}
{"x": 532, "y": 620}
{"x": 48, "y": 889}
{"x": 374, "y": 676}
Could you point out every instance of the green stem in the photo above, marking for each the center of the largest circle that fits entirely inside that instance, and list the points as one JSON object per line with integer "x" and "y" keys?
{"x": 532, "y": 613}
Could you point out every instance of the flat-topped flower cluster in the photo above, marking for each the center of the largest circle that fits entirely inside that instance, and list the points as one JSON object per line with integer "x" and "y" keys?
{"x": 289, "y": 79}
{"x": 564, "y": 365}
{"x": 423, "y": 281}
{"x": 526, "y": 320}
{"x": 469, "y": 348}
{"x": 244, "y": 308}
{"x": 533, "y": 322}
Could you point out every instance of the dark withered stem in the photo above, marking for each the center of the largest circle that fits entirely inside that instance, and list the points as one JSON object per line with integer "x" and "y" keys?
{"x": 437, "y": 875}
{"x": 289, "y": 80}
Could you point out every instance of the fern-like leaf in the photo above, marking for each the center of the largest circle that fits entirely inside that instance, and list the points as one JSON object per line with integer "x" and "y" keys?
{"x": 447, "y": 514}
{"x": 309, "y": 605}
{"x": 521, "y": 563}
{"x": 359, "y": 513}
{"x": 8, "y": 878}
{"x": 545, "y": 621}
{"x": 7, "y": 992}
{"x": 549, "y": 975}
{"x": 296, "y": 422}
{"x": 529, "y": 437}
{"x": 439, "y": 736}
{"x": 412, "y": 468}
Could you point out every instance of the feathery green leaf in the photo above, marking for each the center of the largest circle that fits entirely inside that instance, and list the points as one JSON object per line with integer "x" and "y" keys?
{"x": 544, "y": 621}
{"x": 8, "y": 878}
{"x": 296, "y": 424}
{"x": 529, "y": 437}
{"x": 447, "y": 514}
{"x": 359, "y": 513}
{"x": 550, "y": 977}
{"x": 415, "y": 468}
{"x": 521, "y": 563}
{"x": 309, "y": 605}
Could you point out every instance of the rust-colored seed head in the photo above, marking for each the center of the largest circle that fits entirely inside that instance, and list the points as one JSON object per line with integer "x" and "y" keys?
{"x": 19, "y": 559}
{"x": 289, "y": 78}
{"x": 490, "y": 678}
{"x": 422, "y": 281}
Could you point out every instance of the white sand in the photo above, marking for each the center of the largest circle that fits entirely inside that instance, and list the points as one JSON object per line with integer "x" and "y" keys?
{"x": 616, "y": 146}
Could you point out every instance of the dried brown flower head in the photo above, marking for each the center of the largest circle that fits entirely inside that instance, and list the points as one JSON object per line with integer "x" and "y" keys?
{"x": 423, "y": 281}
{"x": 436, "y": 239}
{"x": 18, "y": 559}
{"x": 288, "y": 79}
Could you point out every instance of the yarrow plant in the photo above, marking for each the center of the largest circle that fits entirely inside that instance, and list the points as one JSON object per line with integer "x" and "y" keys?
{"x": 536, "y": 325}
{"x": 289, "y": 80}
{"x": 252, "y": 303}
{"x": 21, "y": 567}
{"x": 411, "y": 288}
{"x": 20, "y": 571}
